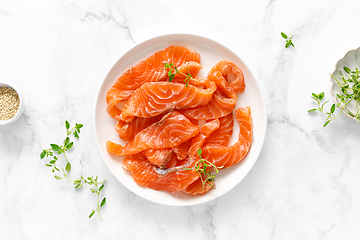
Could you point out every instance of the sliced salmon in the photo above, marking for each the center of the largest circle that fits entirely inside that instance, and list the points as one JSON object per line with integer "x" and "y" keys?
{"x": 197, "y": 187}
{"x": 127, "y": 131}
{"x": 114, "y": 148}
{"x": 182, "y": 150}
{"x": 143, "y": 173}
{"x": 155, "y": 98}
{"x": 220, "y": 155}
{"x": 137, "y": 165}
{"x": 231, "y": 73}
{"x": 158, "y": 157}
{"x": 169, "y": 132}
{"x": 205, "y": 131}
{"x": 148, "y": 70}
{"x": 190, "y": 68}
{"x": 226, "y": 157}
{"x": 223, "y": 134}
{"x": 173, "y": 162}
{"x": 174, "y": 181}
{"x": 166, "y": 123}
{"x": 222, "y": 103}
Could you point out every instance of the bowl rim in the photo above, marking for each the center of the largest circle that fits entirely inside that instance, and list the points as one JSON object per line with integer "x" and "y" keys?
{"x": 21, "y": 105}
{"x": 332, "y": 82}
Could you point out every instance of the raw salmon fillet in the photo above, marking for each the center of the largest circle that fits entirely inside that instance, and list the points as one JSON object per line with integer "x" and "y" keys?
{"x": 197, "y": 188}
{"x": 220, "y": 155}
{"x": 226, "y": 157}
{"x": 143, "y": 172}
{"x": 173, "y": 162}
{"x": 182, "y": 150}
{"x": 166, "y": 123}
{"x": 149, "y": 70}
{"x": 158, "y": 157}
{"x": 155, "y": 98}
{"x": 197, "y": 143}
{"x": 137, "y": 164}
{"x": 127, "y": 131}
{"x": 231, "y": 73}
{"x": 223, "y": 134}
{"x": 172, "y": 130}
{"x": 222, "y": 103}
{"x": 191, "y": 68}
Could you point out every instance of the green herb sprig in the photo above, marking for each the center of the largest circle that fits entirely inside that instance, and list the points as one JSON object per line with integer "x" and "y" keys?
{"x": 172, "y": 70}
{"x": 288, "y": 40}
{"x": 349, "y": 92}
{"x": 55, "y": 151}
{"x": 329, "y": 115}
{"x": 206, "y": 170}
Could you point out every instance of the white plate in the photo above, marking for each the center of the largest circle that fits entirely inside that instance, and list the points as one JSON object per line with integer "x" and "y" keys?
{"x": 211, "y": 52}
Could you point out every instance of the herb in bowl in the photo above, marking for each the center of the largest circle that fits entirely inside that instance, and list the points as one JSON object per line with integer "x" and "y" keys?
{"x": 349, "y": 94}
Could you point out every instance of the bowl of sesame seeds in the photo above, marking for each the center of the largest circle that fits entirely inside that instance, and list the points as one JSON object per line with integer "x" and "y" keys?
{"x": 11, "y": 104}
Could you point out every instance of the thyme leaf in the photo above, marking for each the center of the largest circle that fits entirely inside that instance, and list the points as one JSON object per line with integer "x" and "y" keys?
{"x": 288, "y": 40}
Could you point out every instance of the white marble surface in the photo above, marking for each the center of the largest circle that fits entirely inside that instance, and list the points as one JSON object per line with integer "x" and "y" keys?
{"x": 305, "y": 184}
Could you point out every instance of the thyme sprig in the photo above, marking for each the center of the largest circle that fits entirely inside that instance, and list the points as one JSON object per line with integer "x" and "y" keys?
{"x": 329, "y": 115}
{"x": 206, "y": 170}
{"x": 288, "y": 40}
{"x": 55, "y": 151}
{"x": 349, "y": 92}
{"x": 172, "y": 70}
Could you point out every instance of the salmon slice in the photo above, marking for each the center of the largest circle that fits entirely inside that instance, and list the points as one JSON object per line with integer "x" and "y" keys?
{"x": 173, "y": 162}
{"x": 223, "y": 134}
{"x": 191, "y": 68}
{"x": 127, "y": 131}
{"x": 197, "y": 143}
{"x": 155, "y": 98}
{"x": 231, "y": 73}
{"x": 137, "y": 164}
{"x": 149, "y": 70}
{"x": 166, "y": 123}
{"x": 197, "y": 188}
{"x": 114, "y": 148}
{"x": 172, "y": 130}
{"x": 182, "y": 150}
{"x": 158, "y": 157}
{"x": 114, "y": 97}
{"x": 143, "y": 173}
{"x": 222, "y": 103}
{"x": 224, "y": 156}
{"x": 205, "y": 131}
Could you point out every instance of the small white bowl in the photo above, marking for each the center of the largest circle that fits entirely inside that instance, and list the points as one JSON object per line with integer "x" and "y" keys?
{"x": 352, "y": 61}
{"x": 21, "y": 106}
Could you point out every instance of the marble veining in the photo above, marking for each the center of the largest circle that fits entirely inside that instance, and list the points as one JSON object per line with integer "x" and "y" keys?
{"x": 305, "y": 184}
{"x": 111, "y": 13}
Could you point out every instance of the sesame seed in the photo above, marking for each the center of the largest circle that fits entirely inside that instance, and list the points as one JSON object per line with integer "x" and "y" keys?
{"x": 9, "y": 103}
